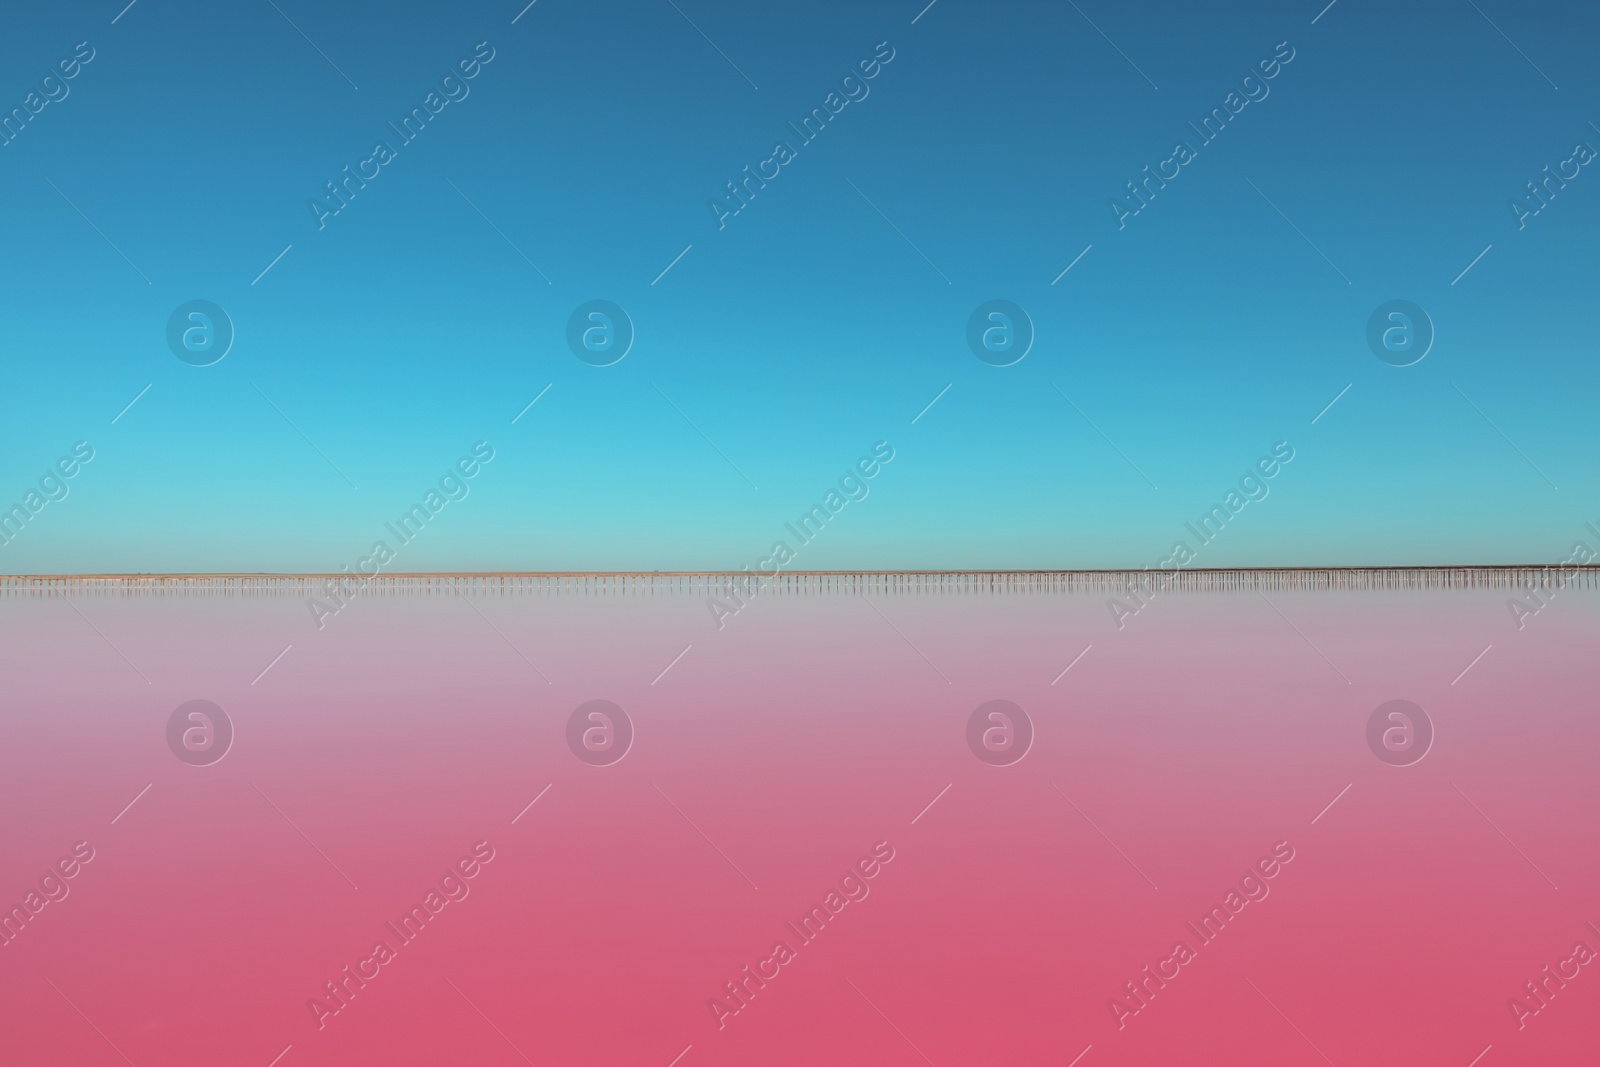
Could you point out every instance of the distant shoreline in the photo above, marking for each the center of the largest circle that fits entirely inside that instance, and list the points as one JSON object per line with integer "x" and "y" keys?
{"x": 1395, "y": 569}
{"x": 1114, "y": 582}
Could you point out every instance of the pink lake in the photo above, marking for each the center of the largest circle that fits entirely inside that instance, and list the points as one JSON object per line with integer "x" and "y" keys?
{"x": 952, "y": 881}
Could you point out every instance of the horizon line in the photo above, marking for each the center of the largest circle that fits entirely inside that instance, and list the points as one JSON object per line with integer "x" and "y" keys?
{"x": 1293, "y": 568}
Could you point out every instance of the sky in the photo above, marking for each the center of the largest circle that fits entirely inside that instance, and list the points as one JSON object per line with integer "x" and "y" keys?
{"x": 1172, "y": 349}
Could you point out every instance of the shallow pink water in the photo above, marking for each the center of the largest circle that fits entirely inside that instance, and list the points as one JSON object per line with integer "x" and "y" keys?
{"x": 1008, "y": 904}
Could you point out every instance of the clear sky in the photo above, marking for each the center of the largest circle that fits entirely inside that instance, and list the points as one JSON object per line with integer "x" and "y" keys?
{"x": 981, "y": 157}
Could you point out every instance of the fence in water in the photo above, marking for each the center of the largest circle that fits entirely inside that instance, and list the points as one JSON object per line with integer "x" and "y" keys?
{"x": 741, "y": 583}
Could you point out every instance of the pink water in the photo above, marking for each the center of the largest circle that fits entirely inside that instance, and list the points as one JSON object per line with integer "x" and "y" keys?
{"x": 810, "y": 741}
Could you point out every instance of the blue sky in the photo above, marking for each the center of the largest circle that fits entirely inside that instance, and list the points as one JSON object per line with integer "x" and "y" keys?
{"x": 822, "y": 318}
